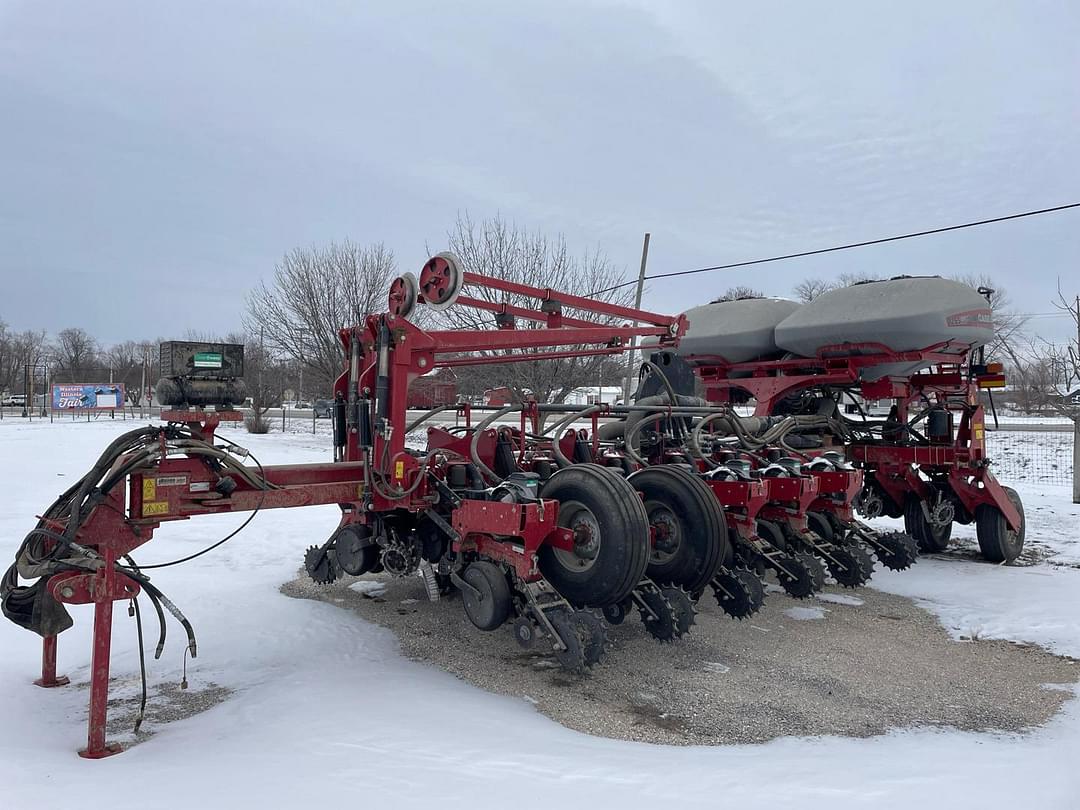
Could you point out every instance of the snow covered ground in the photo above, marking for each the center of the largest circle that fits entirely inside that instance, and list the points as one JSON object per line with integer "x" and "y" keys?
{"x": 324, "y": 709}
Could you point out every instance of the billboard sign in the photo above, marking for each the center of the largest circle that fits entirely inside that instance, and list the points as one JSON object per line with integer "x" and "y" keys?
{"x": 88, "y": 396}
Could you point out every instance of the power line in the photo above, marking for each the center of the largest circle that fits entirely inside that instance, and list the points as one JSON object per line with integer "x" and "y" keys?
{"x": 844, "y": 247}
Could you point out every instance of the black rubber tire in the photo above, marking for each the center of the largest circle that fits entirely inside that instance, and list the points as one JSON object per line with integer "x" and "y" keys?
{"x": 892, "y": 508}
{"x": 354, "y": 550}
{"x": 616, "y": 614}
{"x": 772, "y": 534}
{"x": 700, "y": 521}
{"x": 997, "y": 542}
{"x": 493, "y": 608}
{"x": 820, "y": 525}
{"x": 931, "y": 540}
{"x": 624, "y": 536}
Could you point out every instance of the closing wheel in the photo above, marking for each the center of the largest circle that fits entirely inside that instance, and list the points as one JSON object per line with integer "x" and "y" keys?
{"x": 682, "y": 607}
{"x": 582, "y": 636}
{"x": 658, "y": 615}
{"x": 900, "y": 552}
{"x": 610, "y": 532}
{"x": 441, "y": 280}
{"x": 488, "y": 602}
{"x": 319, "y": 565}
{"x": 997, "y": 541}
{"x": 739, "y": 592}
{"x": 591, "y": 631}
{"x": 852, "y": 567}
{"x": 802, "y": 576}
{"x": 814, "y": 566}
{"x": 689, "y": 531}
{"x": 931, "y": 539}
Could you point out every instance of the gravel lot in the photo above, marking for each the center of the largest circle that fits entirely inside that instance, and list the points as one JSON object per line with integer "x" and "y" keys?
{"x": 852, "y": 663}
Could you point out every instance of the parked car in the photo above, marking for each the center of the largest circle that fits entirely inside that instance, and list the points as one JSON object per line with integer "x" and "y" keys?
{"x": 13, "y": 400}
{"x": 323, "y": 408}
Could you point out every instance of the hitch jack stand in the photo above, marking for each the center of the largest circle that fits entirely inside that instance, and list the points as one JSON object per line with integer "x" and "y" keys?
{"x": 48, "y": 678}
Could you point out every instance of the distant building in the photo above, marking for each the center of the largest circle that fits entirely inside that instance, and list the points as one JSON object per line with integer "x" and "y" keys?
{"x": 594, "y": 395}
{"x": 433, "y": 390}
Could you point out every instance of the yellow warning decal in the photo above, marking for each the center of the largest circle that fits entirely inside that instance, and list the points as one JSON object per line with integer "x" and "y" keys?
{"x": 978, "y": 431}
{"x": 149, "y": 490}
{"x": 399, "y": 470}
{"x": 155, "y": 508}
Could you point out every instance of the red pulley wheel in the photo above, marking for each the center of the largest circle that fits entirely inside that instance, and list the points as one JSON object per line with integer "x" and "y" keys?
{"x": 441, "y": 280}
{"x": 404, "y": 292}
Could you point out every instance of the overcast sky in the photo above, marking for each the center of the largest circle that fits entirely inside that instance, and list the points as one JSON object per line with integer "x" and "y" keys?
{"x": 157, "y": 158}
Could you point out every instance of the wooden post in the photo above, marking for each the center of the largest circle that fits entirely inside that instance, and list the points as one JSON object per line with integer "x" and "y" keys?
{"x": 629, "y": 381}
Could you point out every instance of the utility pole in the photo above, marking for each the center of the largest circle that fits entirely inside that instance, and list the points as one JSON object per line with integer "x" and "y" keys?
{"x": 628, "y": 382}
{"x": 142, "y": 382}
{"x": 1076, "y": 417}
{"x": 26, "y": 385}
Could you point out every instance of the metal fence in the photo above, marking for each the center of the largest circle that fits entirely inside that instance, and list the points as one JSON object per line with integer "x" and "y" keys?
{"x": 1033, "y": 454}
{"x": 1029, "y": 452}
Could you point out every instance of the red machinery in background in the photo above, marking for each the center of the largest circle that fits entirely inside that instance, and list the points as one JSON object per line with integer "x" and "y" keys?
{"x": 926, "y": 461}
{"x": 517, "y": 548}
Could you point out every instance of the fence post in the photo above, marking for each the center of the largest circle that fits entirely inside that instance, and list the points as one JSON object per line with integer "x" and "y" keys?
{"x": 1076, "y": 459}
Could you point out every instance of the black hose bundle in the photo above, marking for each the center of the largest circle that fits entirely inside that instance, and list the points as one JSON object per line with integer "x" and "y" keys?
{"x": 47, "y": 550}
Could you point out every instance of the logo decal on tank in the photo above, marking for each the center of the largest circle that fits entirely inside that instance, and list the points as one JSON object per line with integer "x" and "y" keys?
{"x": 972, "y": 317}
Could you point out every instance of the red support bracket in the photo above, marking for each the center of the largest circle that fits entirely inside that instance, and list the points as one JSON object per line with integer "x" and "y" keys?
{"x": 101, "y": 588}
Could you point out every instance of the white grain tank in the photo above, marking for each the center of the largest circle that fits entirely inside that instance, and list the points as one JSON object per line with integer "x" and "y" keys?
{"x": 734, "y": 331}
{"x": 907, "y": 313}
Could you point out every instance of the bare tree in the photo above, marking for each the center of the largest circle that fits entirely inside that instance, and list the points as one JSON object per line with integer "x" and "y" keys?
{"x": 1063, "y": 361}
{"x": 501, "y": 249}
{"x": 1009, "y": 325}
{"x": 76, "y": 353}
{"x": 129, "y": 363}
{"x": 7, "y": 358}
{"x": 264, "y": 380}
{"x": 315, "y": 292}
{"x": 17, "y": 351}
{"x": 738, "y": 292}
{"x": 810, "y": 288}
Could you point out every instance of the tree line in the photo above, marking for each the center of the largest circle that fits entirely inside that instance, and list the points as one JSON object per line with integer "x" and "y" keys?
{"x": 291, "y": 323}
